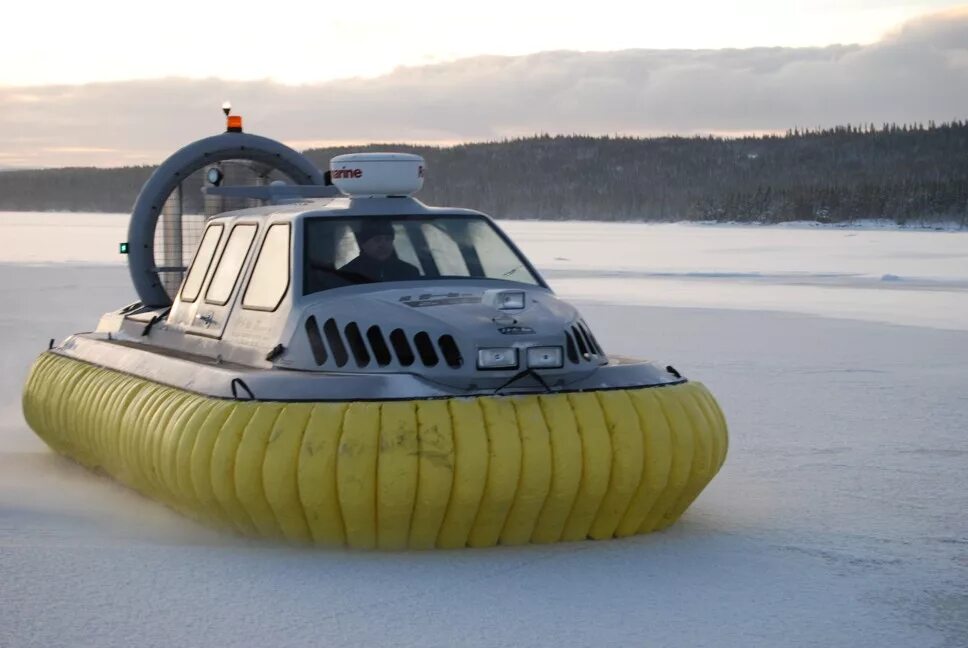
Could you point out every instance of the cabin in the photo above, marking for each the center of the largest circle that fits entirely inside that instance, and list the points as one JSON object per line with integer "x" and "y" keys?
{"x": 274, "y": 286}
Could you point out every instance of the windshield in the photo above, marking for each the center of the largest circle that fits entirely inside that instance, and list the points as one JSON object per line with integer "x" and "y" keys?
{"x": 346, "y": 251}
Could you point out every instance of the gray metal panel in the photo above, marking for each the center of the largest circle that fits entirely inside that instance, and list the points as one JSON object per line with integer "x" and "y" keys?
{"x": 463, "y": 309}
{"x": 195, "y": 156}
{"x": 202, "y": 376}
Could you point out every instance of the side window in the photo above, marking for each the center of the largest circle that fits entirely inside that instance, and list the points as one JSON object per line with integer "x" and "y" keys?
{"x": 270, "y": 278}
{"x": 203, "y": 261}
{"x": 230, "y": 264}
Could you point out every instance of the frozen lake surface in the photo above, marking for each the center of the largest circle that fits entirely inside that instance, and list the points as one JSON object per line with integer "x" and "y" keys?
{"x": 839, "y": 356}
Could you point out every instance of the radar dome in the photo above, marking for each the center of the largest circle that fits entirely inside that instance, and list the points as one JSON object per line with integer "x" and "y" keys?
{"x": 378, "y": 174}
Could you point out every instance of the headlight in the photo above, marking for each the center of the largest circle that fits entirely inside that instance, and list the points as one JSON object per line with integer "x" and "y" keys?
{"x": 545, "y": 357}
{"x": 214, "y": 176}
{"x": 498, "y": 358}
{"x": 510, "y": 300}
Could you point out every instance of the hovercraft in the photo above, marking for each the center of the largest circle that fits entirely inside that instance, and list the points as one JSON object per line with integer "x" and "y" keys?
{"x": 346, "y": 366}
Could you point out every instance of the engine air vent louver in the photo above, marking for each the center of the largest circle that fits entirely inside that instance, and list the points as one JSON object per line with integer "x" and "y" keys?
{"x": 335, "y": 342}
{"x": 375, "y": 336}
{"x": 580, "y": 339}
{"x": 370, "y": 346}
{"x": 450, "y": 351}
{"x": 425, "y": 347}
{"x": 401, "y": 347}
{"x": 591, "y": 338}
{"x": 586, "y": 337}
{"x": 570, "y": 348}
{"x": 355, "y": 339}
{"x": 316, "y": 341}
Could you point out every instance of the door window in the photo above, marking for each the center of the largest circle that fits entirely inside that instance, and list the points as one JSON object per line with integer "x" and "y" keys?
{"x": 230, "y": 265}
{"x": 270, "y": 278}
{"x": 203, "y": 261}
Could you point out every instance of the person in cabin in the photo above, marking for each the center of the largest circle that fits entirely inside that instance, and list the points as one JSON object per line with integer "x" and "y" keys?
{"x": 378, "y": 260}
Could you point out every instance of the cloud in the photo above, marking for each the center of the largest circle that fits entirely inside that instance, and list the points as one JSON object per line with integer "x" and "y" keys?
{"x": 917, "y": 73}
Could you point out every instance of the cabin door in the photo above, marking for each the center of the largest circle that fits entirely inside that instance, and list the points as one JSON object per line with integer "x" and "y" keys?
{"x": 214, "y": 306}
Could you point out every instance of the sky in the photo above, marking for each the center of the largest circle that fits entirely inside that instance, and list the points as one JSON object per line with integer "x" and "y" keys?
{"x": 108, "y": 83}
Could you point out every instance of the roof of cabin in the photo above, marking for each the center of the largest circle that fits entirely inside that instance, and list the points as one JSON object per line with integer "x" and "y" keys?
{"x": 345, "y": 206}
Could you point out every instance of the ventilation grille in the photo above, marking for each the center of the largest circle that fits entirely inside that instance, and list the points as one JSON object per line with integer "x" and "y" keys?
{"x": 337, "y": 346}
{"x": 581, "y": 345}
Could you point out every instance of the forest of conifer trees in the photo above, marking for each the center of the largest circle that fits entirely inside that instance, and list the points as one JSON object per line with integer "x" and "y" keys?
{"x": 909, "y": 174}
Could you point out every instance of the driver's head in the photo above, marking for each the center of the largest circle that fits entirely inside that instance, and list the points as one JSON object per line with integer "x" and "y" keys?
{"x": 376, "y": 239}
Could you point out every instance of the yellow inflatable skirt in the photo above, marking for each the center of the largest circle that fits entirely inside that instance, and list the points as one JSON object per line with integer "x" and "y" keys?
{"x": 476, "y": 471}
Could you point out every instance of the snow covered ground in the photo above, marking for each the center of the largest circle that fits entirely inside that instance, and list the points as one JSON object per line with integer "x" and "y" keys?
{"x": 838, "y": 519}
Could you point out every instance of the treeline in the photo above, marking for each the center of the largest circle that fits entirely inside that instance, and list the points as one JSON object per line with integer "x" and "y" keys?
{"x": 910, "y": 173}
